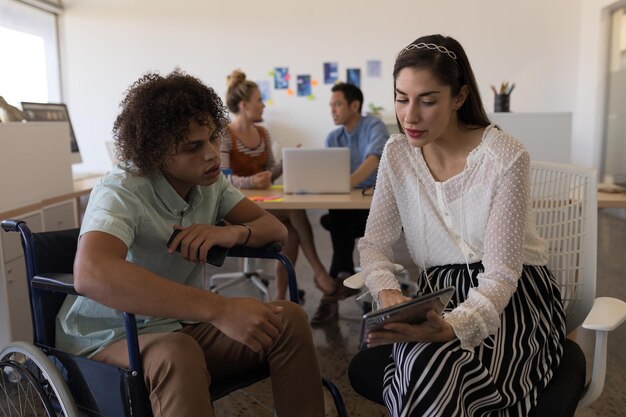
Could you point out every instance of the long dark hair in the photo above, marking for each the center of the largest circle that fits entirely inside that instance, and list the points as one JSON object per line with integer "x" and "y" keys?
{"x": 450, "y": 65}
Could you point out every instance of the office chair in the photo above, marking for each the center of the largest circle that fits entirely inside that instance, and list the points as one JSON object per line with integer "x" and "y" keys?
{"x": 565, "y": 209}
{"x": 37, "y": 379}
{"x": 250, "y": 273}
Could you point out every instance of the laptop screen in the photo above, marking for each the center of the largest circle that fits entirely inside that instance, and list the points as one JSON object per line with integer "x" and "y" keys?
{"x": 316, "y": 170}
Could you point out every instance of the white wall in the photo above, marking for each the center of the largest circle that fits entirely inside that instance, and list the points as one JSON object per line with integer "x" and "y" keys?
{"x": 107, "y": 45}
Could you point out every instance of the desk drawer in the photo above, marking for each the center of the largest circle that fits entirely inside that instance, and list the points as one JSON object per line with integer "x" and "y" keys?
{"x": 59, "y": 217}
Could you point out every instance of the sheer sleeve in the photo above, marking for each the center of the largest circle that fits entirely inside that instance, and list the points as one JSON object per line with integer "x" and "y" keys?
{"x": 479, "y": 315}
{"x": 382, "y": 230}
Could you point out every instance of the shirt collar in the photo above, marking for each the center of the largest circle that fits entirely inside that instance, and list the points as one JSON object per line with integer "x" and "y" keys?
{"x": 174, "y": 203}
{"x": 357, "y": 127}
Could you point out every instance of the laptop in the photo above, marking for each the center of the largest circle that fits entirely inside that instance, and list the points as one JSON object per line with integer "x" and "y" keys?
{"x": 316, "y": 170}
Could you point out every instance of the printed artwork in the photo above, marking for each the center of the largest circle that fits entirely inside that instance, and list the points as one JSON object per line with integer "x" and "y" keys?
{"x": 281, "y": 78}
{"x": 353, "y": 76}
{"x": 373, "y": 68}
{"x": 264, "y": 87}
{"x": 331, "y": 73}
{"x": 304, "y": 85}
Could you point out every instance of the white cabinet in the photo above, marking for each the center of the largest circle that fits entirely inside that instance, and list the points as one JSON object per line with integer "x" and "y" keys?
{"x": 14, "y": 307}
{"x": 546, "y": 136}
{"x": 16, "y": 323}
{"x": 40, "y": 192}
{"x": 59, "y": 216}
{"x": 19, "y": 323}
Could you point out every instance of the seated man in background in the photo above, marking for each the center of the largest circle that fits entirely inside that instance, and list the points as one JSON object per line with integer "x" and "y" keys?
{"x": 167, "y": 136}
{"x": 366, "y": 137}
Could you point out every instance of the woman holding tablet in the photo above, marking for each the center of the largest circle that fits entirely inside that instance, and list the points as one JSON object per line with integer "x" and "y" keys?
{"x": 246, "y": 149}
{"x": 459, "y": 188}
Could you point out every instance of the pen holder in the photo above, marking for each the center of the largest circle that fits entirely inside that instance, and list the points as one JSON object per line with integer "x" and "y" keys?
{"x": 501, "y": 103}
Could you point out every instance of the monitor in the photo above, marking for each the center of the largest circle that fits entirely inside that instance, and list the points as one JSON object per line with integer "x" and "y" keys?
{"x": 52, "y": 112}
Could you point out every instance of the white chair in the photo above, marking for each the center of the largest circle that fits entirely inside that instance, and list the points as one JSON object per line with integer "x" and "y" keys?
{"x": 566, "y": 211}
{"x": 249, "y": 273}
{"x": 565, "y": 207}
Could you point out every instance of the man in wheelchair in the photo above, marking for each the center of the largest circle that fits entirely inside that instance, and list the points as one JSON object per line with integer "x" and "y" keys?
{"x": 167, "y": 137}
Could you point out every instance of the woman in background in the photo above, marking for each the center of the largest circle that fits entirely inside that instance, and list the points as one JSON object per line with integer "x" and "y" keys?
{"x": 246, "y": 149}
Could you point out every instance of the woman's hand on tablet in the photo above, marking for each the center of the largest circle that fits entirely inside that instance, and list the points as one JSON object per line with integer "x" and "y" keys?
{"x": 388, "y": 298}
{"x": 435, "y": 329}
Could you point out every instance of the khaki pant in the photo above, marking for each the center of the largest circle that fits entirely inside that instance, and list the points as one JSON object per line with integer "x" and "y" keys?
{"x": 179, "y": 367}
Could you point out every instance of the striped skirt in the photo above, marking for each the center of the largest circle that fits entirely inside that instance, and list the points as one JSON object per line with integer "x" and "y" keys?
{"x": 500, "y": 377}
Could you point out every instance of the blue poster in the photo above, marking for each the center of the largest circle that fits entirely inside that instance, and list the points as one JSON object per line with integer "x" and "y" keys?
{"x": 281, "y": 78}
{"x": 331, "y": 74}
{"x": 354, "y": 76}
{"x": 304, "y": 85}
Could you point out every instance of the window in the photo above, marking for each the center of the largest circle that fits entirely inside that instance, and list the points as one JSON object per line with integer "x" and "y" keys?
{"x": 30, "y": 56}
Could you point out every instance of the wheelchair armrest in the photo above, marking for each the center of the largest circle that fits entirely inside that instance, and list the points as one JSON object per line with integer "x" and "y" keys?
{"x": 56, "y": 282}
{"x": 606, "y": 314}
{"x": 267, "y": 251}
{"x": 356, "y": 281}
{"x": 59, "y": 282}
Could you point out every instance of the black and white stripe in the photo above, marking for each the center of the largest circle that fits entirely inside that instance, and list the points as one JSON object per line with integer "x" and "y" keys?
{"x": 503, "y": 375}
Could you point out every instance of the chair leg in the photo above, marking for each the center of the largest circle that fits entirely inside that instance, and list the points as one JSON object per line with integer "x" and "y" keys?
{"x": 232, "y": 282}
{"x": 258, "y": 282}
{"x": 337, "y": 398}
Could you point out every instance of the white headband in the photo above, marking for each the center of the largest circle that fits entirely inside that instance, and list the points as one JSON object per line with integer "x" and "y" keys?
{"x": 438, "y": 48}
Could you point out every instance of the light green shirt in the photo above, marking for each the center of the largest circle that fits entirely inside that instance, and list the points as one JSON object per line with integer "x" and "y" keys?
{"x": 140, "y": 211}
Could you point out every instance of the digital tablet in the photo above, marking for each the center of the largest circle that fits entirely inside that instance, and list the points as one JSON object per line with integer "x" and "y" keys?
{"x": 412, "y": 311}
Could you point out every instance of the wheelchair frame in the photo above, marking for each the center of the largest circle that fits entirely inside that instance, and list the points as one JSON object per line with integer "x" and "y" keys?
{"x": 67, "y": 375}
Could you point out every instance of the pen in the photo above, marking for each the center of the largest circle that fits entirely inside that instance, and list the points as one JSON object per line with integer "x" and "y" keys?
{"x": 494, "y": 90}
{"x": 511, "y": 88}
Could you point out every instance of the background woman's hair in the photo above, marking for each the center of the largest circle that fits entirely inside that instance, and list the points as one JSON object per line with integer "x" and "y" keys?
{"x": 452, "y": 72}
{"x": 239, "y": 89}
{"x": 155, "y": 117}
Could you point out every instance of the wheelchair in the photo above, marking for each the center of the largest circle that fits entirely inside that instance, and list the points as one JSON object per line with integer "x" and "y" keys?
{"x": 39, "y": 380}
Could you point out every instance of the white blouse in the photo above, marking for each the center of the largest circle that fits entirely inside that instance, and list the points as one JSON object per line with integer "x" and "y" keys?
{"x": 481, "y": 214}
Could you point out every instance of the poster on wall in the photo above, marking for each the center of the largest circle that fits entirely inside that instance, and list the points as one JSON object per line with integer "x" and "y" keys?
{"x": 264, "y": 87}
{"x": 304, "y": 85}
{"x": 373, "y": 68}
{"x": 281, "y": 78}
{"x": 331, "y": 73}
{"x": 353, "y": 76}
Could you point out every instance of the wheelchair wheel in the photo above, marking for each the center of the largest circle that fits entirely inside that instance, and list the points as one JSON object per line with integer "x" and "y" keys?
{"x": 30, "y": 384}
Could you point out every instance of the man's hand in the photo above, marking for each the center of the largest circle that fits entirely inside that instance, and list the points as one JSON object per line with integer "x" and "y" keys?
{"x": 262, "y": 180}
{"x": 196, "y": 240}
{"x": 250, "y": 321}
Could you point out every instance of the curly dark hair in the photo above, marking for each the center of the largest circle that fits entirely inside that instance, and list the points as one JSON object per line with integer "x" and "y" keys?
{"x": 155, "y": 117}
